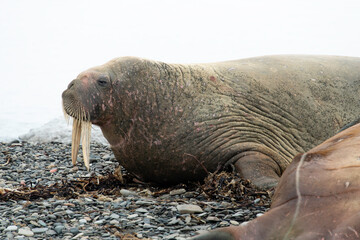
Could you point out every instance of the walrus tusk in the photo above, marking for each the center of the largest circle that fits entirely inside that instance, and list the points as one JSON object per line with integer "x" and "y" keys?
{"x": 76, "y": 134}
{"x": 81, "y": 131}
{"x": 85, "y": 139}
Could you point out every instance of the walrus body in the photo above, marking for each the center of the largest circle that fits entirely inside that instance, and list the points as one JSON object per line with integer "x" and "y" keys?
{"x": 171, "y": 123}
{"x": 317, "y": 197}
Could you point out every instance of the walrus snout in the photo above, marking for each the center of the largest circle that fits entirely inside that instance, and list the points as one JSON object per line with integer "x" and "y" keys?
{"x": 73, "y": 107}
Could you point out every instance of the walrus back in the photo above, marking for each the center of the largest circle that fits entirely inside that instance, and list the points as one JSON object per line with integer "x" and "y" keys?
{"x": 321, "y": 92}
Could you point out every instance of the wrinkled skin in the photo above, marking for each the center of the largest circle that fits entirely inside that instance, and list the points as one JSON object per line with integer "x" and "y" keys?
{"x": 329, "y": 190}
{"x": 171, "y": 123}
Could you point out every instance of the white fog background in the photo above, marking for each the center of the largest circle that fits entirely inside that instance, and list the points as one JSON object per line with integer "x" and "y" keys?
{"x": 44, "y": 44}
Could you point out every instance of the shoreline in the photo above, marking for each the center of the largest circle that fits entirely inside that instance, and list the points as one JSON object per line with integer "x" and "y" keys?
{"x": 144, "y": 211}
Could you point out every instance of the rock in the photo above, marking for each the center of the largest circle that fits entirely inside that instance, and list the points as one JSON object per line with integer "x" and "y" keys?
{"x": 35, "y": 223}
{"x": 42, "y": 223}
{"x": 11, "y": 228}
{"x": 256, "y": 201}
{"x": 132, "y": 216}
{"x": 188, "y": 219}
{"x": 235, "y": 223}
{"x": 51, "y": 232}
{"x": 147, "y": 226}
{"x": 82, "y": 221}
{"x": 141, "y": 210}
{"x": 99, "y": 222}
{"x": 177, "y": 191}
{"x": 39, "y": 230}
{"x": 224, "y": 224}
{"x": 189, "y": 208}
{"x": 173, "y": 221}
{"x": 59, "y": 229}
{"x": 74, "y": 230}
{"x": 212, "y": 219}
{"x": 114, "y": 216}
{"x": 114, "y": 222}
{"x": 26, "y": 232}
{"x": 127, "y": 193}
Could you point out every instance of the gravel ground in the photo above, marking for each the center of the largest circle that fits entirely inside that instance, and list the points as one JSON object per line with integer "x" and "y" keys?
{"x": 132, "y": 211}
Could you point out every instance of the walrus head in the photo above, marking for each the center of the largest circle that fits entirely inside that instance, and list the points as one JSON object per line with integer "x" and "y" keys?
{"x": 88, "y": 100}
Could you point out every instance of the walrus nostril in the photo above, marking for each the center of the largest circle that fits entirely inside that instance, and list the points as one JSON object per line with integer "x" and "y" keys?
{"x": 71, "y": 84}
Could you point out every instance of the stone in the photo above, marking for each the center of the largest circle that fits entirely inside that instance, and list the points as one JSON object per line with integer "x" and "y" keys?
{"x": 212, "y": 219}
{"x": 59, "y": 229}
{"x": 114, "y": 222}
{"x": 82, "y": 221}
{"x": 235, "y": 223}
{"x": 51, "y": 232}
{"x": 256, "y": 201}
{"x": 177, "y": 191}
{"x": 147, "y": 226}
{"x": 132, "y": 216}
{"x": 99, "y": 222}
{"x": 11, "y": 228}
{"x": 141, "y": 210}
{"x": 26, "y": 232}
{"x": 127, "y": 193}
{"x": 74, "y": 230}
{"x": 39, "y": 230}
{"x": 114, "y": 216}
{"x": 189, "y": 208}
{"x": 173, "y": 221}
{"x": 42, "y": 223}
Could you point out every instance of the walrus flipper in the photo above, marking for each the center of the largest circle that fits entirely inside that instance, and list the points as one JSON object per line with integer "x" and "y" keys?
{"x": 259, "y": 168}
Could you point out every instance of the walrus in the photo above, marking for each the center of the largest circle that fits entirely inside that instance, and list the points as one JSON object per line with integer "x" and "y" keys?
{"x": 172, "y": 123}
{"x": 317, "y": 196}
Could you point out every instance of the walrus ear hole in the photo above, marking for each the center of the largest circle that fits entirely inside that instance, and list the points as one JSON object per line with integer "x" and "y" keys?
{"x": 102, "y": 82}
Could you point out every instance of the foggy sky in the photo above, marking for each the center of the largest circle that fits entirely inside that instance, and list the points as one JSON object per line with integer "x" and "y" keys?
{"x": 45, "y": 44}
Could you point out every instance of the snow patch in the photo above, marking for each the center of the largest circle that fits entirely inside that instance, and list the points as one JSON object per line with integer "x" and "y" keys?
{"x": 58, "y": 130}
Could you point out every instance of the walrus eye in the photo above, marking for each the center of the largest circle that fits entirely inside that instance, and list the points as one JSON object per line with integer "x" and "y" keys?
{"x": 102, "y": 82}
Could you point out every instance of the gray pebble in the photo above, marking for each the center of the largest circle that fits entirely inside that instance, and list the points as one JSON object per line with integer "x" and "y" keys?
{"x": 74, "y": 230}
{"x": 177, "y": 191}
{"x": 26, "y": 232}
{"x": 39, "y": 230}
{"x": 82, "y": 221}
{"x": 59, "y": 229}
{"x": 11, "y": 228}
{"x": 132, "y": 216}
{"x": 51, "y": 232}
{"x": 99, "y": 222}
{"x": 42, "y": 223}
{"x": 114, "y": 222}
{"x": 141, "y": 210}
{"x": 189, "y": 208}
{"x": 127, "y": 193}
{"x": 114, "y": 216}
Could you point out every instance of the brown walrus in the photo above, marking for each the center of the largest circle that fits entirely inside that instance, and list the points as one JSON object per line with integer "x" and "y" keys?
{"x": 318, "y": 196}
{"x": 171, "y": 123}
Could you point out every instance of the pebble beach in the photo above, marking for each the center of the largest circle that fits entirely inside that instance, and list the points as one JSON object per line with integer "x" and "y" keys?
{"x": 132, "y": 210}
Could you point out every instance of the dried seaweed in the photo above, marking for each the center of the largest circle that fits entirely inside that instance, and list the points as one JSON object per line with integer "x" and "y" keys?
{"x": 231, "y": 187}
{"x": 220, "y": 186}
{"x": 67, "y": 189}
